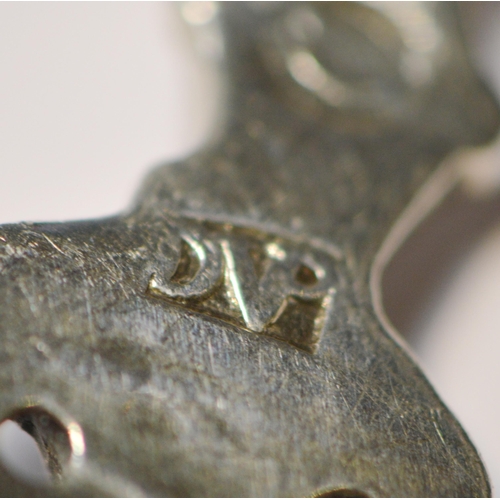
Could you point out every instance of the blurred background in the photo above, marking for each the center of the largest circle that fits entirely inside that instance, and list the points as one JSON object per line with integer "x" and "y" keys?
{"x": 93, "y": 95}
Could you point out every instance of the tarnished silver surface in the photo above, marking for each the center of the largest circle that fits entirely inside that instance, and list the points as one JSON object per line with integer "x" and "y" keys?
{"x": 223, "y": 338}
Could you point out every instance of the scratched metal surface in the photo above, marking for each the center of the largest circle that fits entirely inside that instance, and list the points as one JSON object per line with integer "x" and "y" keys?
{"x": 221, "y": 338}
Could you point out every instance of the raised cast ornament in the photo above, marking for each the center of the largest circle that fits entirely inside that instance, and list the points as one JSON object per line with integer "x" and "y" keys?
{"x": 225, "y": 337}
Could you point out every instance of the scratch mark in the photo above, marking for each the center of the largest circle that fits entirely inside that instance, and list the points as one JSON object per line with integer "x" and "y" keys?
{"x": 52, "y": 243}
{"x": 393, "y": 393}
{"x": 29, "y": 297}
{"x": 89, "y": 310}
{"x": 439, "y": 432}
{"x": 403, "y": 426}
{"x": 364, "y": 391}
{"x": 437, "y": 428}
{"x": 211, "y": 355}
{"x": 351, "y": 410}
{"x": 119, "y": 270}
{"x": 457, "y": 463}
{"x": 346, "y": 403}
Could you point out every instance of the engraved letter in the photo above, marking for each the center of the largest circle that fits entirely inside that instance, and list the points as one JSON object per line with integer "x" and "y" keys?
{"x": 206, "y": 278}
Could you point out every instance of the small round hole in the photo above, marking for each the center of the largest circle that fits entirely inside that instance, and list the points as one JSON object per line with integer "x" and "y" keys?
{"x": 36, "y": 446}
{"x": 306, "y": 276}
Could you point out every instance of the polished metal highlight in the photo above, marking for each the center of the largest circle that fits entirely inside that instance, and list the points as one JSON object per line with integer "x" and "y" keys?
{"x": 224, "y": 337}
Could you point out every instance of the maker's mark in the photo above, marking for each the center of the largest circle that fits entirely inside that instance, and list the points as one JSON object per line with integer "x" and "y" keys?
{"x": 262, "y": 282}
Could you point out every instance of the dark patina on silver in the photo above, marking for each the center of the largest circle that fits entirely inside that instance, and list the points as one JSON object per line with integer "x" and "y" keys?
{"x": 223, "y": 337}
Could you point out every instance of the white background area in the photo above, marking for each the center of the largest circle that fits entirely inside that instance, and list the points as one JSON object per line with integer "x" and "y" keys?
{"x": 93, "y": 95}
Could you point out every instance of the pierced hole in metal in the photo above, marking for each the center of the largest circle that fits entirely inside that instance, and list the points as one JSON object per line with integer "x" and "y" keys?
{"x": 306, "y": 276}
{"x": 342, "y": 493}
{"x": 35, "y": 446}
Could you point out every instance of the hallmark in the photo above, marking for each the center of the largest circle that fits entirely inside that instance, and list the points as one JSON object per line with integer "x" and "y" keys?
{"x": 261, "y": 282}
